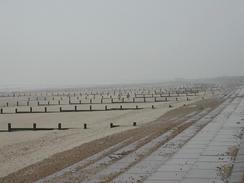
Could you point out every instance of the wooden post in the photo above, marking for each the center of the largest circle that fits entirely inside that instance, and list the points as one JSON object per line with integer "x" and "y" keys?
{"x": 9, "y": 127}
{"x": 1, "y": 111}
{"x": 90, "y": 107}
{"x": 60, "y": 109}
{"x": 59, "y": 126}
{"x": 45, "y": 109}
{"x": 134, "y": 123}
{"x": 16, "y": 110}
{"x": 80, "y": 101}
{"x": 17, "y": 103}
{"x": 106, "y": 108}
{"x": 34, "y": 126}
{"x": 30, "y": 109}
{"x": 28, "y": 103}
{"x": 75, "y": 108}
{"x": 134, "y": 100}
{"x": 90, "y": 101}
{"x": 153, "y": 107}
{"x": 137, "y": 107}
{"x": 7, "y": 104}
{"x": 59, "y": 102}
{"x": 85, "y": 126}
{"x": 144, "y": 99}
{"x": 121, "y": 107}
{"x": 111, "y": 125}
{"x": 166, "y": 99}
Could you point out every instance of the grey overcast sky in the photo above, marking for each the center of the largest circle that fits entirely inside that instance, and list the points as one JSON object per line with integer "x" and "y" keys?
{"x": 45, "y": 42}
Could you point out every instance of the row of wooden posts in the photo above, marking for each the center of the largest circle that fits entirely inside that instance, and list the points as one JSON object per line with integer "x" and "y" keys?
{"x": 34, "y": 126}
{"x": 160, "y": 92}
{"x": 75, "y": 109}
{"x": 101, "y": 102}
{"x": 123, "y": 97}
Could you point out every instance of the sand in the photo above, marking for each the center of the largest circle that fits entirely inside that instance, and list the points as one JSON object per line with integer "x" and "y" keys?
{"x": 23, "y": 148}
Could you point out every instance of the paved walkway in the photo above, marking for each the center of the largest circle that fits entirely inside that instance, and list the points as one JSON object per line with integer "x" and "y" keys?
{"x": 209, "y": 156}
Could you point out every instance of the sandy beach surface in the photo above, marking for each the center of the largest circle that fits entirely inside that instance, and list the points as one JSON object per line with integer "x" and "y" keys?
{"x": 20, "y": 149}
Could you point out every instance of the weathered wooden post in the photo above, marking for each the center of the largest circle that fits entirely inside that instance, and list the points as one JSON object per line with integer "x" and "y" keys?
{"x": 90, "y": 101}
{"x": 59, "y": 126}
{"x": 17, "y": 103}
{"x": 16, "y": 110}
{"x": 30, "y": 109}
{"x": 60, "y": 109}
{"x": 106, "y": 108}
{"x": 85, "y": 126}
{"x": 121, "y": 107}
{"x": 134, "y": 123}
{"x": 137, "y": 107}
{"x": 34, "y": 126}
{"x": 1, "y": 111}
{"x": 7, "y": 104}
{"x": 90, "y": 107}
{"x": 75, "y": 108}
{"x": 111, "y": 125}
{"x": 134, "y": 100}
{"x": 123, "y": 100}
{"x": 45, "y": 109}
{"x": 9, "y": 127}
